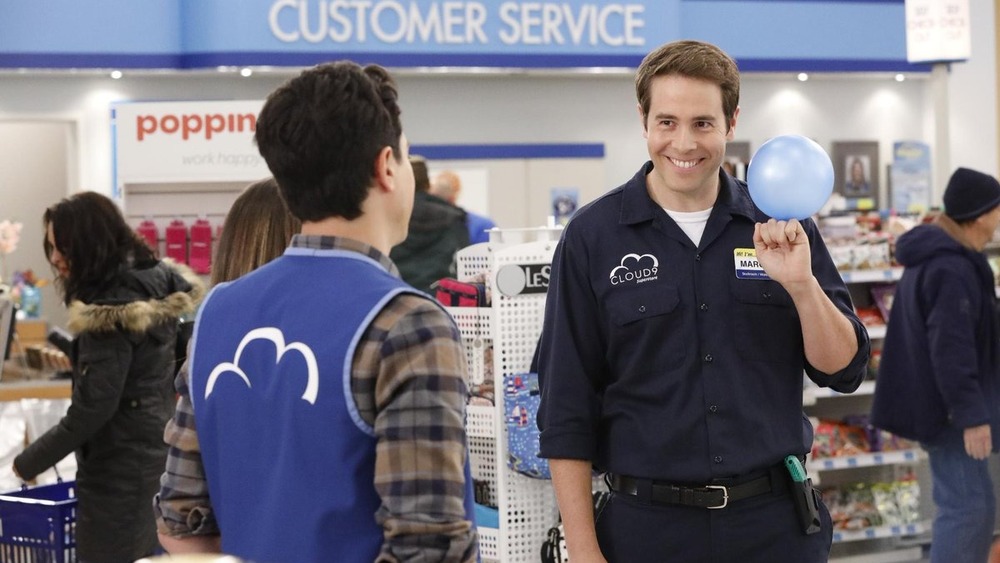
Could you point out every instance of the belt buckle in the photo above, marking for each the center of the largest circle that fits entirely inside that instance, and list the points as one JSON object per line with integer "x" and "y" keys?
{"x": 725, "y": 496}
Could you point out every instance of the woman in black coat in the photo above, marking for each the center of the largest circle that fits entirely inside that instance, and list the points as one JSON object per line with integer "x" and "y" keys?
{"x": 124, "y": 307}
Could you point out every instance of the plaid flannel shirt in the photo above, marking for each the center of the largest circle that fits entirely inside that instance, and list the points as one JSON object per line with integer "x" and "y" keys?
{"x": 408, "y": 380}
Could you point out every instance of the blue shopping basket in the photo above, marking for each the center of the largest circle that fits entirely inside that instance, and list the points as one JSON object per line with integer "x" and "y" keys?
{"x": 38, "y": 524}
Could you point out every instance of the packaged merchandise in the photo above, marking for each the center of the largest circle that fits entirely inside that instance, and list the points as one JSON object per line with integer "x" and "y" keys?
{"x": 521, "y": 400}
{"x": 201, "y": 247}
{"x": 148, "y": 230}
{"x": 177, "y": 241}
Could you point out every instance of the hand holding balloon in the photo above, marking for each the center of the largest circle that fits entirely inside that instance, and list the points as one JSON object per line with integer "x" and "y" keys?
{"x": 790, "y": 177}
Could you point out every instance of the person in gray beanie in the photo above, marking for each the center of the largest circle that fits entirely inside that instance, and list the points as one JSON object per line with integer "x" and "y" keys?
{"x": 938, "y": 381}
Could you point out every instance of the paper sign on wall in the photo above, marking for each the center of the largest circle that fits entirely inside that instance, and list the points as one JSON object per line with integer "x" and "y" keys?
{"x": 937, "y": 30}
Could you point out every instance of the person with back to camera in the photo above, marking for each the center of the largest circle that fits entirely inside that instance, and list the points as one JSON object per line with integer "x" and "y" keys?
{"x": 329, "y": 395}
{"x": 437, "y": 231}
{"x": 447, "y": 185}
{"x": 257, "y": 229}
{"x": 124, "y": 308}
{"x": 938, "y": 382}
{"x": 678, "y": 325}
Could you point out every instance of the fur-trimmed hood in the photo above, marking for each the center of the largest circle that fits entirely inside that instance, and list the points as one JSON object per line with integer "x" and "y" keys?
{"x": 142, "y": 298}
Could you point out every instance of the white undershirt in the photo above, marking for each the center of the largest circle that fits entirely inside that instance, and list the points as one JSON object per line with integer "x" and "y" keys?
{"x": 691, "y": 222}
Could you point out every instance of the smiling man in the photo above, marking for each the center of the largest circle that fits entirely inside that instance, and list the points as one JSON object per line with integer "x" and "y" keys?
{"x": 679, "y": 322}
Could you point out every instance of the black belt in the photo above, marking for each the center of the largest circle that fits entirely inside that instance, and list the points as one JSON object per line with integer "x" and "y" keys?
{"x": 707, "y": 496}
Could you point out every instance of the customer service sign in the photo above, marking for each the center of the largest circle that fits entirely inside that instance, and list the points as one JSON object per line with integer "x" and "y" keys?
{"x": 458, "y": 23}
{"x": 187, "y": 141}
{"x": 786, "y": 35}
{"x": 442, "y": 32}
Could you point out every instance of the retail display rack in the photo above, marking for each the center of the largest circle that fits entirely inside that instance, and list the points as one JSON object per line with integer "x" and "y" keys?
{"x": 501, "y": 340}
{"x": 897, "y": 541}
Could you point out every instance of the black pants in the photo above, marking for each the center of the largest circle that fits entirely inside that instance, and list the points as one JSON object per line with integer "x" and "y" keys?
{"x": 762, "y": 529}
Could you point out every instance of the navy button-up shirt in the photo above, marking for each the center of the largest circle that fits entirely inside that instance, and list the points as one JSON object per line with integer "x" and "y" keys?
{"x": 665, "y": 361}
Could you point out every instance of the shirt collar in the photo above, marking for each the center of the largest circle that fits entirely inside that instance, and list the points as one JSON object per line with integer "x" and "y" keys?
{"x": 637, "y": 206}
{"x": 327, "y": 242}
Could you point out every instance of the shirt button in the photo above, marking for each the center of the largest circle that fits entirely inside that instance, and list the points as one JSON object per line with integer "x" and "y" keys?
{"x": 703, "y": 306}
{"x": 766, "y": 295}
{"x": 709, "y": 358}
{"x": 642, "y": 308}
{"x": 697, "y": 257}
{"x": 714, "y": 408}
{"x": 717, "y": 459}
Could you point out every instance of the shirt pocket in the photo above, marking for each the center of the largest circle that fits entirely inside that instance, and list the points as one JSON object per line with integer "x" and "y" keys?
{"x": 647, "y": 331}
{"x": 765, "y": 322}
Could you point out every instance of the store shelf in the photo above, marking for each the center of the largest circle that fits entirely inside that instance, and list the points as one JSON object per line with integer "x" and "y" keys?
{"x": 811, "y": 393}
{"x": 871, "y": 276}
{"x": 911, "y": 554}
{"x": 876, "y": 332}
{"x": 840, "y": 536}
{"x": 865, "y": 460}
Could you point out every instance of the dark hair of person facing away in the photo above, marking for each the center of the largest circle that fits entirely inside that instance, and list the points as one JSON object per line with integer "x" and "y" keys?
{"x": 257, "y": 230}
{"x": 421, "y": 178}
{"x": 321, "y": 132}
{"x": 692, "y": 59}
{"x": 96, "y": 241}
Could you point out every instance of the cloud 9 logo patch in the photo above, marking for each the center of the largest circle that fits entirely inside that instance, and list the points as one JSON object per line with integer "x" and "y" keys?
{"x": 635, "y": 268}
{"x": 275, "y": 336}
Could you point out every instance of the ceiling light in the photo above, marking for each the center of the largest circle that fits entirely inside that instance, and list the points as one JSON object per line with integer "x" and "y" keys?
{"x": 116, "y": 74}
{"x": 900, "y": 77}
{"x": 803, "y": 77}
{"x": 246, "y": 71}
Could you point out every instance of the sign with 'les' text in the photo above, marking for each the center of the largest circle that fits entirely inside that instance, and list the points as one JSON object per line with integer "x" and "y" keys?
{"x": 187, "y": 141}
{"x": 521, "y": 279}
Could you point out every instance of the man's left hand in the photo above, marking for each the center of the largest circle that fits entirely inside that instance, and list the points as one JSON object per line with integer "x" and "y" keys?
{"x": 783, "y": 251}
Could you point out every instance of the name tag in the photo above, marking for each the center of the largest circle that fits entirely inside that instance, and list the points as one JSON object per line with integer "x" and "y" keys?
{"x": 747, "y": 266}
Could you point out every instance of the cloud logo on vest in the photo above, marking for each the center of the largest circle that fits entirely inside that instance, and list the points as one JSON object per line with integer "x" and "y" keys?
{"x": 274, "y": 335}
{"x": 635, "y": 268}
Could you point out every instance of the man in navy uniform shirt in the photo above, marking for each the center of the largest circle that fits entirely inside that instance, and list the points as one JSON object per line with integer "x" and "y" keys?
{"x": 679, "y": 321}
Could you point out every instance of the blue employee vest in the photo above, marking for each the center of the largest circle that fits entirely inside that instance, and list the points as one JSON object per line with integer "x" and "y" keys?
{"x": 288, "y": 459}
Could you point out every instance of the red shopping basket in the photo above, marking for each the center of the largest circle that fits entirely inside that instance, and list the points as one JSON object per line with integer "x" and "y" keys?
{"x": 37, "y": 524}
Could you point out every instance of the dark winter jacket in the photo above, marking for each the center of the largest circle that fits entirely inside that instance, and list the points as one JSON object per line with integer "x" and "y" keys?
{"x": 123, "y": 366}
{"x": 437, "y": 231}
{"x": 939, "y": 358}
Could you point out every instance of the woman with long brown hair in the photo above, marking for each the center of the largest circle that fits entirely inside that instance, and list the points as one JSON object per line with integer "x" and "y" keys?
{"x": 124, "y": 306}
{"x": 257, "y": 230}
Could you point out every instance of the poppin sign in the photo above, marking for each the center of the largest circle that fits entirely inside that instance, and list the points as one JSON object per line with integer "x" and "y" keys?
{"x": 187, "y": 141}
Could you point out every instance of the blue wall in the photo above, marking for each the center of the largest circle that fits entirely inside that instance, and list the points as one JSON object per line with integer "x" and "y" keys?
{"x": 763, "y": 35}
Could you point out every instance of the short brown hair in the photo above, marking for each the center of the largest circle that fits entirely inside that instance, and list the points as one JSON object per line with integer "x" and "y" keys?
{"x": 693, "y": 59}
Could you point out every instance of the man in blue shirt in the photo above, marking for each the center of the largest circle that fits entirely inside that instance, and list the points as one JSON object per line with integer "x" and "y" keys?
{"x": 678, "y": 325}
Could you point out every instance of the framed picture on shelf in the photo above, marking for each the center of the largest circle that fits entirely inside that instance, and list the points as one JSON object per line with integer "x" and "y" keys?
{"x": 856, "y": 173}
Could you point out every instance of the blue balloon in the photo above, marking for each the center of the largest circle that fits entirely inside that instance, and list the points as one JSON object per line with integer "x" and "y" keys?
{"x": 790, "y": 177}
